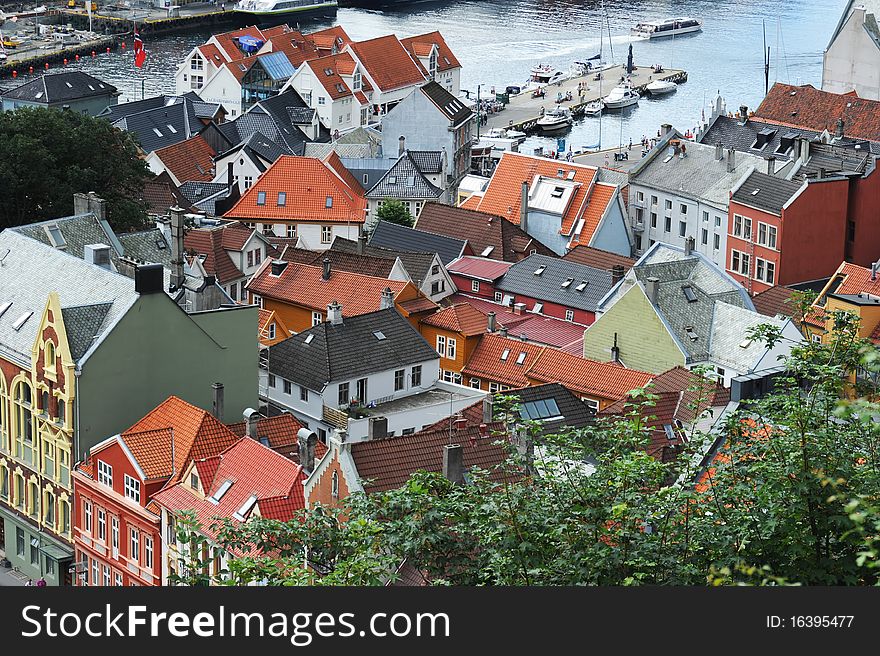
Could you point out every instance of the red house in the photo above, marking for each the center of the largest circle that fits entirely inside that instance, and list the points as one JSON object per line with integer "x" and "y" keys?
{"x": 477, "y": 276}
{"x": 788, "y": 231}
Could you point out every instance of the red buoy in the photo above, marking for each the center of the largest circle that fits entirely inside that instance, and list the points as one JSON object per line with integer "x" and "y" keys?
{"x": 123, "y": 45}
{"x": 47, "y": 66}
{"x": 77, "y": 58}
{"x": 31, "y": 70}
{"x": 108, "y": 50}
{"x": 14, "y": 74}
{"x": 93, "y": 53}
{"x": 65, "y": 61}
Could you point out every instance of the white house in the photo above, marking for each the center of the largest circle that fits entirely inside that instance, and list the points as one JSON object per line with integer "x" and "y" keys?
{"x": 852, "y": 59}
{"x": 436, "y": 60}
{"x": 372, "y": 375}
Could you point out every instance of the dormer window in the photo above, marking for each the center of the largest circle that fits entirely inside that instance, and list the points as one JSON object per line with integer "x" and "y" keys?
{"x": 242, "y": 513}
{"x": 261, "y": 198}
{"x": 567, "y": 283}
{"x": 356, "y": 80}
{"x": 432, "y": 64}
{"x": 194, "y": 480}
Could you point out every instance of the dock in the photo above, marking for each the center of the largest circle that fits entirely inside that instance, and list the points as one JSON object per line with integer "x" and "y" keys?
{"x": 523, "y": 111}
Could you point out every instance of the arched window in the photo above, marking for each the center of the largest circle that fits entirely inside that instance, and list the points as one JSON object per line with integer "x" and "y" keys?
{"x": 49, "y": 356}
{"x": 4, "y": 428}
{"x": 63, "y": 516}
{"x": 23, "y": 422}
{"x": 4, "y": 482}
{"x": 334, "y": 485}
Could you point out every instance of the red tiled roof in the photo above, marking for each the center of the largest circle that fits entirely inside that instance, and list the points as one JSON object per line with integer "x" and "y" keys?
{"x": 486, "y": 362}
{"x": 479, "y": 267}
{"x": 597, "y": 258}
{"x": 190, "y": 160}
{"x": 387, "y": 464}
{"x": 420, "y": 46}
{"x": 228, "y": 41}
{"x": 502, "y": 195}
{"x": 235, "y": 235}
{"x": 208, "y": 243}
{"x": 212, "y": 54}
{"x": 308, "y": 183}
{"x": 418, "y": 304}
{"x": 240, "y": 67}
{"x": 378, "y": 267}
{"x": 774, "y": 301}
{"x": 326, "y": 38}
{"x": 387, "y": 62}
{"x": 606, "y": 380}
{"x": 304, "y": 285}
{"x": 472, "y": 202}
{"x": 337, "y": 65}
{"x": 854, "y": 279}
{"x": 332, "y": 160}
{"x": 197, "y": 434}
{"x": 253, "y": 470}
{"x": 280, "y": 431}
{"x": 460, "y": 318}
{"x": 296, "y": 46}
{"x": 807, "y": 107}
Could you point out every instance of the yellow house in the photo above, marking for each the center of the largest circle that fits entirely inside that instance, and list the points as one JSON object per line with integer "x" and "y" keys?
{"x": 852, "y": 289}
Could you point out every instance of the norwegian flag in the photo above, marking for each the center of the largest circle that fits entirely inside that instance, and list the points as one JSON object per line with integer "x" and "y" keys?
{"x": 140, "y": 55}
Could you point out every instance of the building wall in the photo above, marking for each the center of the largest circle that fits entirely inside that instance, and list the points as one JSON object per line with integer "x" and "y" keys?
{"x": 869, "y": 317}
{"x": 611, "y": 235}
{"x": 243, "y": 168}
{"x": 321, "y": 490}
{"x": 310, "y": 234}
{"x": 464, "y": 284}
{"x": 864, "y": 208}
{"x": 424, "y": 127}
{"x": 158, "y": 350}
{"x": 463, "y": 346}
{"x": 852, "y": 61}
{"x": 545, "y": 228}
{"x": 224, "y": 89}
{"x": 556, "y": 310}
{"x": 644, "y": 342}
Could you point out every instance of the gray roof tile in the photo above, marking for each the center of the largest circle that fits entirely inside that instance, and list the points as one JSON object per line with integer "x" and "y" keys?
{"x": 401, "y": 238}
{"x": 766, "y": 192}
{"x": 404, "y": 180}
{"x": 521, "y": 279}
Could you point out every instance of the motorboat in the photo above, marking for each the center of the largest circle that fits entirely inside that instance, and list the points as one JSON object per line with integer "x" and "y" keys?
{"x": 505, "y": 133}
{"x": 669, "y": 27}
{"x": 555, "y": 120}
{"x": 593, "y": 108}
{"x": 270, "y": 8}
{"x": 660, "y": 87}
{"x": 544, "y": 74}
{"x": 623, "y": 95}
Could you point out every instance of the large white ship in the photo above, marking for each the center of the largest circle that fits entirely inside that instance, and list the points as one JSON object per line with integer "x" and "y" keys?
{"x": 670, "y": 27}
{"x": 272, "y": 8}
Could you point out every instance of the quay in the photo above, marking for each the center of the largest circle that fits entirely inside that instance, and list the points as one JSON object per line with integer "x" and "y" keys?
{"x": 523, "y": 111}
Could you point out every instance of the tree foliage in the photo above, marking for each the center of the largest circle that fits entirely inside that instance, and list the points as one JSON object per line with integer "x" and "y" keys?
{"x": 47, "y": 155}
{"x": 790, "y": 495}
{"x": 394, "y": 211}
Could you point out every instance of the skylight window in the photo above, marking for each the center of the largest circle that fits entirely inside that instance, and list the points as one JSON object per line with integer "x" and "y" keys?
{"x": 282, "y": 199}
{"x": 411, "y": 181}
{"x": 670, "y": 433}
{"x": 171, "y": 127}
{"x": 158, "y": 132}
{"x": 582, "y": 286}
{"x": 21, "y": 321}
{"x": 689, "y": 331}
{"x": 161, "y": 245}
{"x": 223, "y": 489}
{"x": 570, "y": 175}
{"x": 755, "y": 192}
{"x": 70, "y": 86}
{"x": 560, "y": 173}
{"x": 745, "y": 344}
{"x": 504, "y": 354}
{"x": 309, "y": 339}
{"x": 689, "y": 294}
{"x": 242, "y": 513}
{"x": 329, "y": 202}
{"x": 328, "y": 72}
{"x": 539, "y": 307}
{"x": 90, "y": 87}
{"x": 540, "y": 270}
{"x": 521, "y": 357}
{"x": 261, "y": 198}
{"x": 487, "y": 251}
{"x": 392, "y": 179}
{"x": 378, "y": 334}
{"x": 567, "y": 283}
{"x": 340, "y": 88}
{"x": 5, "y": 306}
{"x": 557, "y": 192}
{"x": 542, "y": 409}
{"x": 39, "y": 95}
{"x": 55, "y": 236}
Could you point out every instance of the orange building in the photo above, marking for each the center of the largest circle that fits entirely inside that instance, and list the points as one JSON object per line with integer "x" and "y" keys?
{"x": 454, "y": 332}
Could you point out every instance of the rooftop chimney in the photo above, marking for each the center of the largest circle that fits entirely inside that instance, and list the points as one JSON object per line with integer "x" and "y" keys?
{"x": 820, "y": 174}
{"x": 731, "y": 160}
{"x": 80, "y": 204}
{"x": 491, "y": 324}
{"x": 743, "y": 113}
{"x": 97, "y": 254}
{"x": 97, "y": 206}
{"x": 689, "y": 245}
{"x": 616, "y": 274}
{"x": 251, "y": 417}
{"x": 874, "y": 268}
{"x": 523, "y": 337}
{"x": 652, "y": 288}
{"x": 387, "y": 301}
{"x": 519, "y": 308}
{"x": 149, "y": 278}
{"x": 278, "y": 267}
{"x": 524, "y": 207}
{"x": 334, "y": 313}
{"x": 665, "y": 129}
{"x": 488, "y": 410}
{"x": 453, "y": 463}
{"x": 401, "y": 145}
{"x": 503, "y": 331}
{"x": 771, "y": 165}
{"x": 719, "y": 151}
{"x": 325, "y": 275}
{"x": 362, "y": 242}
{"x": 838, "y": 132}
{"x": 177, "y": 276}
{"x": 306, "y": 441}
{"x": 217, "y": 405}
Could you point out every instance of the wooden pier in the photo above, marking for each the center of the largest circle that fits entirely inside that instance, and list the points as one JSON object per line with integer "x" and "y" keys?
{"x": 523, "y": 111}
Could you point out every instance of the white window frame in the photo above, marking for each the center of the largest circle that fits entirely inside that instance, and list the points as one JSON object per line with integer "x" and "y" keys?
{"x": 326, "y": 234}
{"x": 87, "y": 517}
{"x": 740, "y": 262}
{"x": 105, "y": 473}
{"x": 569, "y": 315}
{"x": 475, "y": 285}
{"x": 763, "y": 270}
{"x": 441, "y": 345}
{"x": 767, "y": 235}
{"x": 451, "y": 349}
{"x": 132, "y": 488}
{"x": 134, "y": 545}
{"x": 317, "y": 317}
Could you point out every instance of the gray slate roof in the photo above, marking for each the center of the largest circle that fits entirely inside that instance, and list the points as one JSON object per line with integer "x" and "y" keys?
{"x": 403, "y": 239}
{"x": 521, "y": 279}
{"x": 428, "y": 161}
{"x": 349, "y": 350}
{"x": 162, "y": 126}
{"x": 82, "y": 323}
{"x": 573, "y": 412}
{"x": 451, "y": 107}
{"x": 52, "y": 88}
{"x": 766, "y": 192}
{"x": 32, "y": 270}
{"x": 404, "y": 180}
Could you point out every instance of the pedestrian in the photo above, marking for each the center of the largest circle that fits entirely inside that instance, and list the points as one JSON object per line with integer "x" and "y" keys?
{"x": 542, "y": 110}
{"x": 29, "y": 582}
{"x": 41, "y": 582}
{"x": 630, "y": 143}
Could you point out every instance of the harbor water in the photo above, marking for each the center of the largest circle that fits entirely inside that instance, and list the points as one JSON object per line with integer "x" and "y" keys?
{"x": 498, "y": 41}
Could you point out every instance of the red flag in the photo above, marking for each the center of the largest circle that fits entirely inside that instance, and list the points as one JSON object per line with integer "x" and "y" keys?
{"x": 140, "y": 55}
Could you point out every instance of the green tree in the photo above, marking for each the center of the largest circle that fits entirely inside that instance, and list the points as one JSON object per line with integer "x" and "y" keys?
{"x": 47, "y": 155}
{"x": 394, "y": 211}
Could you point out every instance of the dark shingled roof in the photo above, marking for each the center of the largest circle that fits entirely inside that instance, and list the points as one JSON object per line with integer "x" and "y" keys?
{"x": 404, "y": 180}
{"x": 521, "y": 279}
{"x": 573, "y": 412}
{"x": 52, "y": 88}
{"x": 766, "y": 192}
{"x": 82, "y": 324}
{"x": 452, "y": 108}
{"x": 775, "y": 301}
{"x": 401, "y": 238}
{"x": 349, "y": 350}
{"x": 428, "y": 161}
{"x": 482, "y": 231}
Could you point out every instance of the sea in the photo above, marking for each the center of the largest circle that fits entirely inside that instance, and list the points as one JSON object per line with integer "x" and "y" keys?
{"x": 498, "y": 41}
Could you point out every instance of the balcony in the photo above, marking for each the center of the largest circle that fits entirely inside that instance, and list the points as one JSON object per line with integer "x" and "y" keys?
{"x": 638, "y": 226}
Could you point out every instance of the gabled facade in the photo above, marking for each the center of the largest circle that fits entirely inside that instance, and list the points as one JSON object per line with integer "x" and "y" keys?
{"x": 479, "y": 276}
{"x": 404, "y": 182}
{"x": 436, "y": 60}
{"x": 388, "y": 68}
{"x": 852, "y": 289}
{"x": 852, "y": 59}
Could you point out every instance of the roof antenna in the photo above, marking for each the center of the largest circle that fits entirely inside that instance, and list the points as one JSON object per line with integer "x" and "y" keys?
{"x": 3, "y": 256}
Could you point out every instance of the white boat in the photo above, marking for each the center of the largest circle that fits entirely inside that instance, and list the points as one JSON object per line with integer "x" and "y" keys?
{"x": 669, "y": 27}
{"x": 556, "y": 120}
{"x": 660, "y": 87}
{"x": 504, "y": 133}
{"x": 623, "y": 95}
{"x": 269, "y": 8}
{"x": 594, "y": 108}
